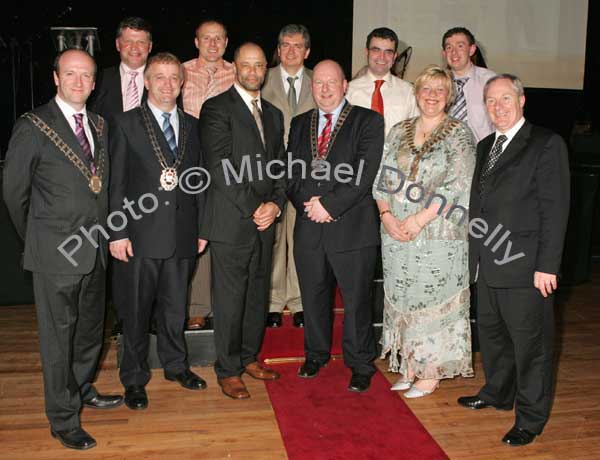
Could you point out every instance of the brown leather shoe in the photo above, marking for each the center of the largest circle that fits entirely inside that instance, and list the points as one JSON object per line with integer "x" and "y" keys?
{"x": 260, "y": 372}
{"x": 195, "y": 323}
{"x": 234, "y": 387}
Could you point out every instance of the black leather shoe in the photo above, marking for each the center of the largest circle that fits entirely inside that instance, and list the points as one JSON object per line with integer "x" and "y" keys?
{"x": 310, "y": 369}
{"x": 104, "y": 401}
{"x": 359, "y": 382}
{"x": 475, "y": 402}
{"x": 274, "y": 319}
{"x": 74, "y": 439}
{"x": 299, "y": 319}
{"x": 187, "y": 379}
{"x": 518, "y": 437}
{"x": 136, "y": 397}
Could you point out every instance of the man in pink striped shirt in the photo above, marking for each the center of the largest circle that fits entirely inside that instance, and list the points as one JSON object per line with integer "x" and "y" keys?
{"x": 209, "y": 74}
{"x": 206, "y": 76}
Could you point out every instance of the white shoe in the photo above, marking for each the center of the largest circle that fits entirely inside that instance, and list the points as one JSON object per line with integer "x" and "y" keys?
{"x": 414, "y": 392}
{"x": 402, "y": 384}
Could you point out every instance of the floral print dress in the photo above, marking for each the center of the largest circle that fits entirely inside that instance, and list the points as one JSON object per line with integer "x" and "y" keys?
{"x": 426, "y": 281}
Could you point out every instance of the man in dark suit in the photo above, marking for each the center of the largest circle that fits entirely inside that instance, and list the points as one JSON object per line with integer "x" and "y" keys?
{"x": 287, "y": 87}
{"x": 121, "y": 88}
{"x": 150, "y": 147}
{"x": 520, "y": 188}
{"x": 336, "y": 236}
{"x": 55, "y": 188}
{"x": 239, "y": 132}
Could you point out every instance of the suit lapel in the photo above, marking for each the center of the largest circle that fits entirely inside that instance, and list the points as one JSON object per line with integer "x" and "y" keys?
{"x": 62, "y": 127}
{"x": 305, "y": 89}
{"x": 242, "y": 109}
{"x": 115, "y": 85}
{"x": 279, "y": 88}
{"x": 160, "y": 135}
{"x": 513, "y": 149}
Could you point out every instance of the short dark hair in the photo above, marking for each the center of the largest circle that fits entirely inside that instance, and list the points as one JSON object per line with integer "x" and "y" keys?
{"x": 211, "y": 21}
{"x": 134, "y": 23}
{"x": 385, "y": 33}
{"x": 292, "y": 29}
{"x": 237, "y": 50}
{"x": 458, "y": 30}
{"x": 56, "y": 64}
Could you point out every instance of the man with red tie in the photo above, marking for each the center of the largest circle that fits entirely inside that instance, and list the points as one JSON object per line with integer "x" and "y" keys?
{"x": 378, "y": 89}
{"x": 336, "y": 235}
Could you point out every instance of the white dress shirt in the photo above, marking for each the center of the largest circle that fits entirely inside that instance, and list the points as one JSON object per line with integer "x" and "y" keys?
{"x": 297, "y": 82}
{"x": 68, "y": 112}
{"x": 247, "y": 97}
{"x": 174, "y": 119}
{"x": 139, "y": 81}
{"x": 399, "y": 101}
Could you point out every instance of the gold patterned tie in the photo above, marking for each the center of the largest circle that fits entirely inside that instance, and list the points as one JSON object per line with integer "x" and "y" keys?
{"x": 256, "y": 113}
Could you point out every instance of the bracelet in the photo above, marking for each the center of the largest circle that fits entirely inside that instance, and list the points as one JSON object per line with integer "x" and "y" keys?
{"x": 384, "y": 212}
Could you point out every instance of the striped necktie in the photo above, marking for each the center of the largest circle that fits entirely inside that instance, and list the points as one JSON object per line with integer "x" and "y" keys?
{"x": 132, "y": 96}
{"x": 459, "y": 108}
{"x": 323, "y": 140}
{"x": 83, "y": 141}
{"x": 169, "y": 134}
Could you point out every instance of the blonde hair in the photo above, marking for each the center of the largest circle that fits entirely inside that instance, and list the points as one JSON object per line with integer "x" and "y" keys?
{"x": 435, "y": 72}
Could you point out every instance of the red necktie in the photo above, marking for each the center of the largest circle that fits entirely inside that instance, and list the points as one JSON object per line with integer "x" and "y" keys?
{"x": 323, "y": 140}
{"x": 377, "y": 98}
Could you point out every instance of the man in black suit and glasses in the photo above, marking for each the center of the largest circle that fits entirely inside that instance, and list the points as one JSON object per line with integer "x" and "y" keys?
{"x": 55, "y": 188}
{"x": 521, "y": 188}
{"x": 239, "y": 132}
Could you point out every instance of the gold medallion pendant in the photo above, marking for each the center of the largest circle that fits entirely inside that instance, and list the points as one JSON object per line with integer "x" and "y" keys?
{"x": 168, "y": 179}
{"x": 95, "y": 184}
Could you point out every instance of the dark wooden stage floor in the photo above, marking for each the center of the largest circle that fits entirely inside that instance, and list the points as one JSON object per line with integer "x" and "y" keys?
{"x": 182, "y": 425}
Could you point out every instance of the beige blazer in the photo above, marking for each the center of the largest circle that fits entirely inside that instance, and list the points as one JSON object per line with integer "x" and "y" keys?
{"x": 274, "y": 92}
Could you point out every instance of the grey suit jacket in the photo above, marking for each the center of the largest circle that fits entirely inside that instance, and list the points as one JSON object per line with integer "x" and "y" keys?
{"x": 274, "y": 92}
{"x": 49, "y": 199}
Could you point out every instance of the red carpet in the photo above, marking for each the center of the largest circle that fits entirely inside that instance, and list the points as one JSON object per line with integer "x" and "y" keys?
{"x": 320, "y": 419}
{"x": 287, "y": 341}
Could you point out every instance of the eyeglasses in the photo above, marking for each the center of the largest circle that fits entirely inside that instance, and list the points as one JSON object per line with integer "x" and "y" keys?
{"x": 387, "y": 52}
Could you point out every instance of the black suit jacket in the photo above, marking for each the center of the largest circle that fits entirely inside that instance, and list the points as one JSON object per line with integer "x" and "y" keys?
{"x": 49, "y": 199}
{"x": 527, "y": 193}
{"x": 171, "y": 229}
{"x": 107, "y": 98}
{"x": 352, "y": 206}
{"x": 229, "y": 135}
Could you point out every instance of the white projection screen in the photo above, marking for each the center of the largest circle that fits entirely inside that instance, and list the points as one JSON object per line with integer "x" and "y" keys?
{"x": 541, "y": 41}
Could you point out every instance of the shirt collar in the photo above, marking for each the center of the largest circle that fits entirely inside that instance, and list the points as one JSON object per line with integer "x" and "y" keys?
{"x": 512, "y": 131}
{"x": 468, "y": 75}
{"x": 69, "y": 111}
{"x": 387, "y": 77}
{"x": 126, "y": 69}
{"x": 158, "y": 112}
{"x": 248, "y": 98}
{"x": 336, "y": 112}
{"x": 285, "y": 75}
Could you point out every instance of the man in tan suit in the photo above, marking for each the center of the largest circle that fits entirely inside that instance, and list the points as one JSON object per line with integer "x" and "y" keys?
{"x": 287, "y": 87}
